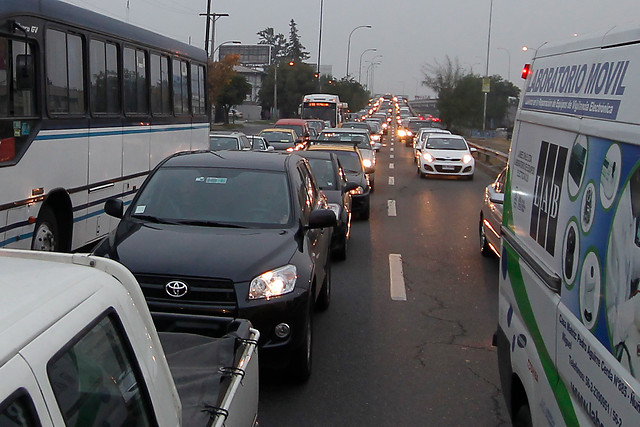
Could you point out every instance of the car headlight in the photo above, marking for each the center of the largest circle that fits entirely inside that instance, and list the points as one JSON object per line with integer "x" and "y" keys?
{"x": 375, "y": 137}
{"x": 335, "y": 208}
{"x": 273, "y": 283}
{"x": 409, "y": 133}
{"x": 428, "y": 157}
{"x": 467, "y": 158}
{"x": 402, "y": 133}
{"x": 367, "y": 163}
{"x": 357, "y": 191}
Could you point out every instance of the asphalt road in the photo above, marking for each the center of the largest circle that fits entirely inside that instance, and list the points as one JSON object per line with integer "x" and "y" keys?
{"x": 423, "y": 361}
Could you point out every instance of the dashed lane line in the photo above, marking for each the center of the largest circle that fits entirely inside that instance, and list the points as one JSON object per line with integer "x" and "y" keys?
{"x": 396, "y": 278}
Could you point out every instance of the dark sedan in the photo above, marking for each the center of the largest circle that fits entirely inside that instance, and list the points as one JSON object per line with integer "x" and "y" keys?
{"x": 351, "y": 160}
{"x": 236, "y": 234}
{"x": 332, "y": 180}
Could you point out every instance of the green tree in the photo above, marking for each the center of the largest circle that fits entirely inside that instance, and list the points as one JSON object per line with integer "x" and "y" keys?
{"x": 460, "y": 97}
{"x": 294, "y": 48}
{"x": 294, "y": 81}
{"x": 233, "y": 93}
{"x": 349, "y": 91}
{"x": 278, "y": 41}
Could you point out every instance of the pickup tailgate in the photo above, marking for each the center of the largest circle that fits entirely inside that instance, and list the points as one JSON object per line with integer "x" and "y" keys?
{"x": 216, "y": 377}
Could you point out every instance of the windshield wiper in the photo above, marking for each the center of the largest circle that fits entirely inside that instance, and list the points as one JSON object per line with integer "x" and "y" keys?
{"x": 152, "y": 218}
{"x": 209, "y": 223}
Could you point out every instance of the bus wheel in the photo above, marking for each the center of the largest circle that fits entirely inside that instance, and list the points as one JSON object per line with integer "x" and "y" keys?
{"x": 45, "y": 235}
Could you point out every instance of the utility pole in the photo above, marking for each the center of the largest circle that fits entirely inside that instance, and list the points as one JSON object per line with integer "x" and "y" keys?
{"x": 211, "y": 17}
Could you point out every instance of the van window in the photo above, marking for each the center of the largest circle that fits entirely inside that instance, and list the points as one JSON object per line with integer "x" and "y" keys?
{"x": 18, "y": 411}
{"x": 96, "y": 383}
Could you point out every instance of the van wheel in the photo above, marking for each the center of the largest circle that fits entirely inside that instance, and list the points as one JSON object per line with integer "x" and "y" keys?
{"x": 45, "y": 234}
{"x": 300, "y": 368}
{"x": 522, "y": 418}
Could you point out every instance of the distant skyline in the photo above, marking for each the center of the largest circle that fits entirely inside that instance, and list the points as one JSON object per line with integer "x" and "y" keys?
{"x": 407, "y": 34}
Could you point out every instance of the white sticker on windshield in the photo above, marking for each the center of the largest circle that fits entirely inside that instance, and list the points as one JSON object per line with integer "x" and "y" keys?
{"x": 140, "y": 209}
{"x": 212, "y": 180}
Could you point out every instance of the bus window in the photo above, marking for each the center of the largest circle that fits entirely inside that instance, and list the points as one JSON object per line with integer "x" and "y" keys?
{"x": 160, "y": 96}
{"x": 197, "y": 89}
{"x": 17, "y": 99}
{"x": 65, "y": 87}
{"x": 105, "y": 89}
{"x": 135, "y": 81}
{"x": 180, "y": 87}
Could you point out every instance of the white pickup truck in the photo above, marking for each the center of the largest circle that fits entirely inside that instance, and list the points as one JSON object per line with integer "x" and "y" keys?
{"x": 78, "y": 347}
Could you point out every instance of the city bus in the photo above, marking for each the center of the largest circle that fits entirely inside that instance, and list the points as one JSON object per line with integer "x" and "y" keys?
{"x": 88, "y": 106}
{"x": 322, "y": 106}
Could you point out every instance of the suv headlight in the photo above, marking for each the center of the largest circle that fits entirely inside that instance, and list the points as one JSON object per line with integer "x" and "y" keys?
{"x": 428, "y": 157}
{"x": 467, "y": 158}
{"x": 273, "y": 283}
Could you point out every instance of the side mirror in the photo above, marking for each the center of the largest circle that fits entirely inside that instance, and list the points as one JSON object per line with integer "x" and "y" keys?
{"x": 24, "y": 72}
{"x": 495, "y": 197}
{"x": 270, "y": 148}
{"x": 473, "y": 150}
{"x": 350, "y": 186}
{"x": 377, "y": 146}
{"x": 322, "y": 218}
{"x": 114, "y": 208}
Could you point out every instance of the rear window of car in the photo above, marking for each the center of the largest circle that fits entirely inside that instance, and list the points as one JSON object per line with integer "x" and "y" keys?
{"x": 277, "y": 136}
{"x": 346, "y": 138}
{"x": 298, "y": 129}
{"x": 223, "y": 143}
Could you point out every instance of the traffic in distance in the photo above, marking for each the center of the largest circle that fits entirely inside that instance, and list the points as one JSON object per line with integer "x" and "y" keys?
{"x": 278, "y": 244}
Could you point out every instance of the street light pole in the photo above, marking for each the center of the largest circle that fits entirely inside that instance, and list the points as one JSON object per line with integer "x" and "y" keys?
{"x": 320, "y": 42}
{"x": 349, "y": 45}
{"x": 372, "y": 49}
{"x": 486, "y": 74}
{"x": 213, "y": 54}
{"x": 509, "y": 61}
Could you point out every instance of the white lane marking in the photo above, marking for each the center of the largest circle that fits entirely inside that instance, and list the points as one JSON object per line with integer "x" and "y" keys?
{"x": 391, "y": 166}
{"x": 392, "y": 181}
{"x": 391, "y": 156}
{"x": 396, "y": 276}
{"x": 391, "y": 208}
{"x": 391, "y": 149}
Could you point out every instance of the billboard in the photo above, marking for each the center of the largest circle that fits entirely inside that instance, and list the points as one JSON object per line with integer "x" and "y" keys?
{"x": 250, "y": 54}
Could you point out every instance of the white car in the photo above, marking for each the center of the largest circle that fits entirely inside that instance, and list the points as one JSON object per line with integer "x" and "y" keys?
{"x": 421, "y": 137}
{"x": 446, "y": 155}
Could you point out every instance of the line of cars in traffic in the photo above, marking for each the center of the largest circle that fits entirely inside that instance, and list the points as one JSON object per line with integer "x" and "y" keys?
{"x": 247, "y": 229}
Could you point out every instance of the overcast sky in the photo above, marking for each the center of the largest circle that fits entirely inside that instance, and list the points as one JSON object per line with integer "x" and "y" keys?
{"x": 408, "y": 34}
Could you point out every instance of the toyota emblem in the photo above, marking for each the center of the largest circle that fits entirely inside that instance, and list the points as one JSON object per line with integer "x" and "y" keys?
{"x": 176, "y": 289}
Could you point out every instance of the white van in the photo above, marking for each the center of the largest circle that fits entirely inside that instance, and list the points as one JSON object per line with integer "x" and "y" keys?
{"x": 569, "y": 302}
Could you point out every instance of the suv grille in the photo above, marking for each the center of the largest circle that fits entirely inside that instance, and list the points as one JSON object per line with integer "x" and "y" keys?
{"x": 204, "y": 295}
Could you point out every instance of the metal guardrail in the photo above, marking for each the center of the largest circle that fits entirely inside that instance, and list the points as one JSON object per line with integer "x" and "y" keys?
{"x": 490, "y": 153}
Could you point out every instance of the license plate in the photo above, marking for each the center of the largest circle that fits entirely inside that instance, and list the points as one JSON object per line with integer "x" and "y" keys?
{"x": 448, "y": 168}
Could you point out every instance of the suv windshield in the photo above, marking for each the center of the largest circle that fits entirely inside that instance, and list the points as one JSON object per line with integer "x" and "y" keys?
{"x": 441, "y": 143}
{"x": 211, "y": 196}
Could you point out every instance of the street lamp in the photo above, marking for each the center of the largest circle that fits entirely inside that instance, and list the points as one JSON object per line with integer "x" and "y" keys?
{"x": 372, "y": 49}
{"x": 213, "y": 54}
{"x": 349, "y": 45}
{"x": 320, "y": 41}
{"x": 486, "y": 74}
{"x": 509, "y": 59}
{"x": 276, "y": 64}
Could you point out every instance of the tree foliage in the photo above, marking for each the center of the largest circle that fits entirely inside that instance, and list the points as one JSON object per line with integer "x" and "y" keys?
{"x": 293, "y": 83}
{"x": 460, "y": 97}
{"x": 294, "y": 48}
{"x": 233, "y": 93}
{"x": 278, "y": 41}
{"x": 349, "y": 91}
{"x": 220, "y": 76}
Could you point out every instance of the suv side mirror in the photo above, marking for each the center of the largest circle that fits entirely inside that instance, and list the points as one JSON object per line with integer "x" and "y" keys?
{"x": 114, "y": 208}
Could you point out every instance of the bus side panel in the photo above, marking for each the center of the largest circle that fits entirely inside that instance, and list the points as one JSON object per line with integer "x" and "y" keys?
{"x": 105, "y": 167}
{"x": 167, "y": 139}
